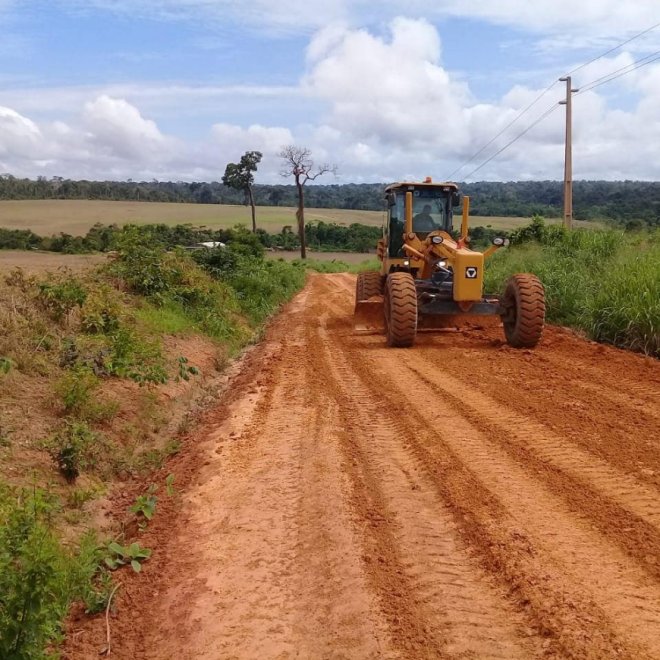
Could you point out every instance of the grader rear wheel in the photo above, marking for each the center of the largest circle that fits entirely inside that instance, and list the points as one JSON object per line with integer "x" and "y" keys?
{"x": 368, "y": 285}
{"x": 400, "y": 310}
{"x": 524, "y": 315}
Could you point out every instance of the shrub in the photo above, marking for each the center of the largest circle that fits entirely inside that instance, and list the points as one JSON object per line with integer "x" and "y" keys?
{"x": 262, "y": 286}
{"x": 76, "y": 388}
{"x": 75, "y": 447}
{"x": 38, "y": 577}
{"x": 101, "y": 311}
{"x": 59, "y": 298}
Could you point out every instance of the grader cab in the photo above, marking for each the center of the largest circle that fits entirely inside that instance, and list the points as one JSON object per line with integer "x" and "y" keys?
{"x": 429, "y": 276}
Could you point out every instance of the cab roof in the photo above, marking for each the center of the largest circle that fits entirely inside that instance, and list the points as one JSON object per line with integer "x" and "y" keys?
{"x": 427, "y": 183}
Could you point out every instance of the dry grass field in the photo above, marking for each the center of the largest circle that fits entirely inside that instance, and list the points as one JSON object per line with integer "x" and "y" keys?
{"x": 42, "y": 262}
{"x": 46, "y": 217}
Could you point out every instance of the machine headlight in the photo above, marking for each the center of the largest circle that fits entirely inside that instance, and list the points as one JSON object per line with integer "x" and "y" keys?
{"x": 498, "y": 240}
{"x": 436, "y": 240}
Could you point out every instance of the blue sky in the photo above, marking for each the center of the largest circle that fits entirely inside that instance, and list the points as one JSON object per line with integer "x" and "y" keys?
{"x": 173, "y": 89}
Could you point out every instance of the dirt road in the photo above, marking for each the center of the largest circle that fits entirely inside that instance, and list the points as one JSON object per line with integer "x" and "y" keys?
{"x": 456, "y": 500}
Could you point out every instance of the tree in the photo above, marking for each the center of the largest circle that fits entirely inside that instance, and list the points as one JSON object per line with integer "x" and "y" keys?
{"x": 298, "y": 163}
{"x": 239, "y": 176}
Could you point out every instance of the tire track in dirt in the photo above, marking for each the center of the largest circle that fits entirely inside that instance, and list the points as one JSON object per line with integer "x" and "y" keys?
{"x": 618, "y": 589}
{"x": 436, "y": 599}
{"x": 623, "y": 509}
{"x": 628, "y": 588}
{"x": 582, "y": 466}
{"x": 570, "y": 624}
{"x": 618, "y": 427}
{"x": 276, "y": 572}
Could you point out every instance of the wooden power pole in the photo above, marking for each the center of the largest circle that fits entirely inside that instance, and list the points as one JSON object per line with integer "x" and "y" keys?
{"x": 568, "y": 156}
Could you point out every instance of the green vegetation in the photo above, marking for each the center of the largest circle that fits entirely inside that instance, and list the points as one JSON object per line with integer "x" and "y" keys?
{"x": 132, "y": 554}
{"x": 39, "y": 578}
{"x": 144, "y": 506}
{"x": 74, "y": 448}
{"x": 75, "y": 334}
{"x": 605, "y": 283}
{"x": 321, "y": 236}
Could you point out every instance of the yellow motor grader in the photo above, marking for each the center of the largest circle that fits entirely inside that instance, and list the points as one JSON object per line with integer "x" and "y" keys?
{"x": 429, "y": 279}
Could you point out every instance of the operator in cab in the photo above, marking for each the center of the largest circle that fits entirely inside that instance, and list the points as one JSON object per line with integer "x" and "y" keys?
{"x": 423, "y": 222}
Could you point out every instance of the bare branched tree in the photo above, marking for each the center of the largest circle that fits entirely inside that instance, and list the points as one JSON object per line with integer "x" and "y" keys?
{"x": 298, "y": 163}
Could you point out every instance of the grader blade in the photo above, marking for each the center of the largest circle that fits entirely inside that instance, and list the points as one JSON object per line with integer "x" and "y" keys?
{"x": 368, "y": 318}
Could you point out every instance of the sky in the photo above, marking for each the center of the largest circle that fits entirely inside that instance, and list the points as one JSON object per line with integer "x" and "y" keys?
{"x": 176, "y": 89}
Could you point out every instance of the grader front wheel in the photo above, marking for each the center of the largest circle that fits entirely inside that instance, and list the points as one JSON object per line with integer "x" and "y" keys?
{"x": 400, "y": 310}
{"x": 524, "y": 310}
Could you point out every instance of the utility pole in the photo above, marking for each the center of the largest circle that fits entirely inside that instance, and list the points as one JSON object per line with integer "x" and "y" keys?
{"x": 568, "y": 155}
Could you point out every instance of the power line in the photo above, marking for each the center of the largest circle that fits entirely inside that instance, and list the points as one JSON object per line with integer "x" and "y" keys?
{"x": 506, "y": 128}
{"x": 611, "y": 50}
{"x": 629, "y": 68}
{"x": 545, "y": 91}
{"x": 549, "y": 111}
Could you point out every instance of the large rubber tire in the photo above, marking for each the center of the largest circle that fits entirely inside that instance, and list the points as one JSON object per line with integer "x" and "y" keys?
{"x": 368, "y": 285}
{"x": 524, "y": 304}
{"x": 400, "y": 310}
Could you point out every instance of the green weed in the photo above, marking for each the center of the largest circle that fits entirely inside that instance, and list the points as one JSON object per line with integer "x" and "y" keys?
{"x": 185, "y": 370}
{"x": 144, "y": 506}
{"x": 75, "y": 447}
{"x": 38, "y": 577}
{"x": 119, "y": 555}
{"x": 62, "y": 296}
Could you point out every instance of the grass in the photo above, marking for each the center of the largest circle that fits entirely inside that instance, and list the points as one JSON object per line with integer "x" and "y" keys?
{"x": 168, "y": 319}
{"x": 46, "y": 217}
{"x": 605, "y": 283}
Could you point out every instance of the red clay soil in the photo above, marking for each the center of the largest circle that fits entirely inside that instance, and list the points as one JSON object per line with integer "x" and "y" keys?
{"x": 459, "y": 499}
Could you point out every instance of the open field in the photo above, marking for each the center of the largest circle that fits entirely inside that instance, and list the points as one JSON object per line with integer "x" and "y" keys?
{"x": 461, "y": 499}
{"x": 46, "y": 217}
{"x": 40, "y": 262}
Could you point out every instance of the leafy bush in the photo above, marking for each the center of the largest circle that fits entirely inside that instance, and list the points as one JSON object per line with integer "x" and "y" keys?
{"x": 60, "y": 297}
{"x": 101, "y": 311}
{"x": 74, "y": 447}
{"x": 38, "y": 577}
{"x": 262, "y": 285}
{"x": 77, "y": 392}
{"x": 18, "y": 239}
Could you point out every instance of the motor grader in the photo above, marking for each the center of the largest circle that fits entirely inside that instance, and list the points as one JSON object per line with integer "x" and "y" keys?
{"x": 430, "y": 278}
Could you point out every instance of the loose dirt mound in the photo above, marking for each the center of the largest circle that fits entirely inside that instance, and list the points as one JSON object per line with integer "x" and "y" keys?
{"x": 459, "y": 499}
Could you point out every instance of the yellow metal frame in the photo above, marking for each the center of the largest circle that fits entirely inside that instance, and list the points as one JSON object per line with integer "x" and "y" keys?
{"x": 424, "y": 255}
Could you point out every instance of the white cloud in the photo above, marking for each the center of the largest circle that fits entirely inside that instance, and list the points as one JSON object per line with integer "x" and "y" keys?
{"x": 394, "y": 90}
{"x": 19, "y": 136}
{"x": 235, "y": 140}
{"x": 118, "y": 128}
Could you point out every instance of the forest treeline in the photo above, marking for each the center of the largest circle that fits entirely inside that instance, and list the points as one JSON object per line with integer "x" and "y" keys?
{"x": 620, "y": 201}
